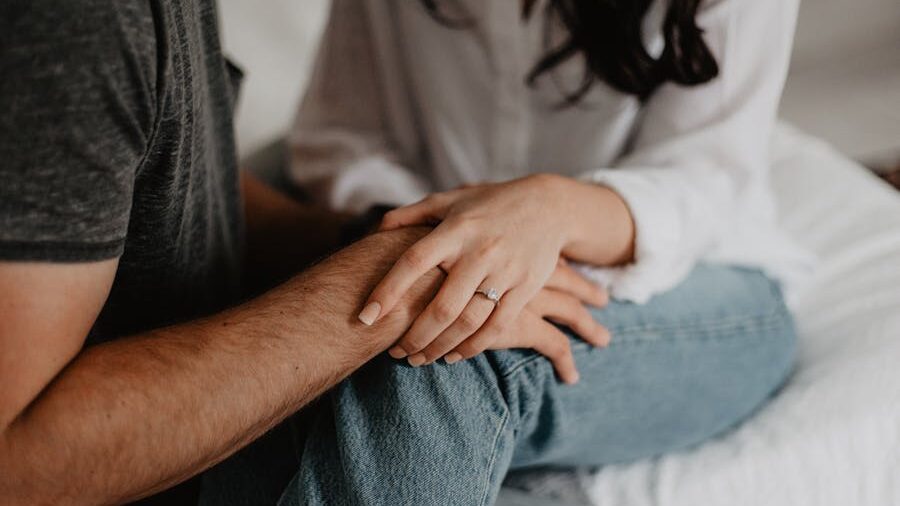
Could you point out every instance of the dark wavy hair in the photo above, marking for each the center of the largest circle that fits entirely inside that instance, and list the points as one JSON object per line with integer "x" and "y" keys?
{"x": 607, "y": 34}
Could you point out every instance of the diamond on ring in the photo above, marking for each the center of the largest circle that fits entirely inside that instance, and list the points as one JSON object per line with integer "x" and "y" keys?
{"x": 492, "y": 295}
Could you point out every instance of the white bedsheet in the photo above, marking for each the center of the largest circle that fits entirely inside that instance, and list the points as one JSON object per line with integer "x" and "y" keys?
{"x": 832, "y": 436}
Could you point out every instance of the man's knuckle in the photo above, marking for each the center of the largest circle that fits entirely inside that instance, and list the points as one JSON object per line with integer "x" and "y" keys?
{"x": 589, "y": 329}
{"x": 583, "y": 316}
{"x": 404, "y": 344}
{"x": 560, "y": 348}
{"x": 467, "y": 349}
{"x": 414, "y": 345}
{"x": 569, "y": 300}
{"x": 576, "y": 312}
{"x": 431, "y": 355}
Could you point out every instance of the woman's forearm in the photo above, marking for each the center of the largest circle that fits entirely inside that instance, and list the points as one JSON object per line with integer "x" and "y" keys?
{"x": 600, "y": 228}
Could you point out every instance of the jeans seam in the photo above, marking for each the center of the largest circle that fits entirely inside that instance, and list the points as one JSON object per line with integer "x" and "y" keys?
{"x": 716, "y": 324}
{"x": 486, "y": 485}
{"x": 766, "y": 322}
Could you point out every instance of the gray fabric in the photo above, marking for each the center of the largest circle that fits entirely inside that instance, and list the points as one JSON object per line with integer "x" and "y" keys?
{"x": 116, "y": 140}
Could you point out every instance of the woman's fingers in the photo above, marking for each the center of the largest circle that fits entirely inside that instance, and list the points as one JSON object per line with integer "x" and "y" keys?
{"x": 429, "y": 252}
{"x": 566, "y": 279}
{"x": 457, "y": 290}
{"x": 429, "y": 210}
{"x": 472, "y": 318}
{"x": 564, "y": 309}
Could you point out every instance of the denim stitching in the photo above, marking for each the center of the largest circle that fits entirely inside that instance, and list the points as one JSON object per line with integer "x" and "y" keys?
{"x": 486, "y": 485}
{"x": 689, "y": 329}
{"x": 535, "y": 359}
{"x": 767, "y": 322}
{"x": 723, "y": 321}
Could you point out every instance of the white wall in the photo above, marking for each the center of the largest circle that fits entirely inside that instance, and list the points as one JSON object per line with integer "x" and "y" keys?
{"x": 844, "y": 84}
{"x": 274, "y": 41}
{"x": 831, "y": 30}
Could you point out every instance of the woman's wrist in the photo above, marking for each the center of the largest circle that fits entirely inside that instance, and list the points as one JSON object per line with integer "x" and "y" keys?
{"x": 597, "y": 224}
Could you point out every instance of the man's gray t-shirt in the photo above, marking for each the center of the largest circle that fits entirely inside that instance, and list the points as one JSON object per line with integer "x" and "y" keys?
{"x": 116, "y": 140}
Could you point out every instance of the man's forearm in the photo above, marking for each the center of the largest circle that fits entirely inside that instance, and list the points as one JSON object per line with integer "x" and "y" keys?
{"x": 135, "y": 416}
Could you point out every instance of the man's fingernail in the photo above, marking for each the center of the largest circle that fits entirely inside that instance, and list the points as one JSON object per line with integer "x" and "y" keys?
{"x": 574, "y": 379}
{"x": 453, "y": 357}
{"x": 370, "y": 313}
{"x": 416, "y": 360}
{"x": 397, "y": 352}
{"x": 604, "y": 336}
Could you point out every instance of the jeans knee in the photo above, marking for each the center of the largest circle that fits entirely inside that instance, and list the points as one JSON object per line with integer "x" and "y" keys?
{"x": 391, "y": 384}
{"x": 781, "y": 350}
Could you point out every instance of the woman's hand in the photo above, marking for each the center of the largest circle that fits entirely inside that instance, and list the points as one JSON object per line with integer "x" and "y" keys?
{"x": 561, "y": 301}
{"x": 505, "y": 236}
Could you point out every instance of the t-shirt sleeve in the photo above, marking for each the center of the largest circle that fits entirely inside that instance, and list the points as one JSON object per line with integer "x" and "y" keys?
{"x": 77, "y": 102}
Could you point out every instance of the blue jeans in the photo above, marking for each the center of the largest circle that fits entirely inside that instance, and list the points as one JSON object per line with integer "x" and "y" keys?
{"x": 687, "y": 366}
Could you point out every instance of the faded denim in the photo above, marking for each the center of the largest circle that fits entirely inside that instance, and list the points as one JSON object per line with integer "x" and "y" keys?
{"x": 685, "y": 367}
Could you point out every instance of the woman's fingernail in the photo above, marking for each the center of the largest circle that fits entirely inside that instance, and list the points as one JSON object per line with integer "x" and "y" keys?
{"x": 416, "y": 360}
{"x": 397, "y": 352}
{"x": 453, "y": 357}
{"x": 370, "y": 313}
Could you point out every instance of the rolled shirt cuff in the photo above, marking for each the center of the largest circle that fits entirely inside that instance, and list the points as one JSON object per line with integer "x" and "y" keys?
{"x": 662, "y": 260}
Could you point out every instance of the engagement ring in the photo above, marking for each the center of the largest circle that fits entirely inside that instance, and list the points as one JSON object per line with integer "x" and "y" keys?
{"x": 492, "y": 295}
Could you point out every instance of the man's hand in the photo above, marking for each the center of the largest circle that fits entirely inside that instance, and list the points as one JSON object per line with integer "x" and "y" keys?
{"x": 128, "y": 418}
{"x": 563, "y": 301}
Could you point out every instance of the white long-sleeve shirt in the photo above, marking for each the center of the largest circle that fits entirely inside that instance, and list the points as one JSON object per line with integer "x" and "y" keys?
{"x": 400, "y": 106}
